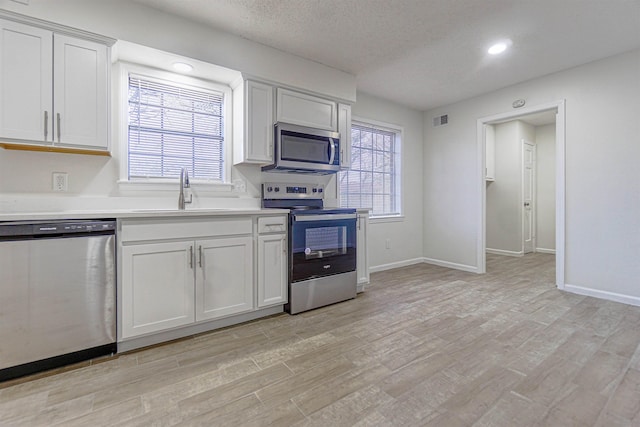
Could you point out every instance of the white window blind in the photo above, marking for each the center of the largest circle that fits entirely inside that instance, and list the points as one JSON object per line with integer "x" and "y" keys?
{"x": 174, "y": 126}
{"x": 373, "y": 181}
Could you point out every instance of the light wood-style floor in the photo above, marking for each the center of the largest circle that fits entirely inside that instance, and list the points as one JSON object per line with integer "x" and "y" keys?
{"x": 424, "y": 345}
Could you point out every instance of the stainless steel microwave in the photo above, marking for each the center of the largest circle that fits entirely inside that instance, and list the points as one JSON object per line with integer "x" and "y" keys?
{"x": 301, "y": 149}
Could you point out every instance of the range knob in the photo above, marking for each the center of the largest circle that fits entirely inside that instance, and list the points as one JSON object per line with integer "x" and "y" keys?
{"x": 315, "y": 190}
{"x": 276, "y": 189}
{"x": 319, "y": 190}
{"x": 269, "y": 189}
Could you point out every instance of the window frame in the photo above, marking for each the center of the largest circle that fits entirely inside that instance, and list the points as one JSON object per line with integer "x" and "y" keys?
{"x": 397, "y": 168}
{"x": 124, "y": 70}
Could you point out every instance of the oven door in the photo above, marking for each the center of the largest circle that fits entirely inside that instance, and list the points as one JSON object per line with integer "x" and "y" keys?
{"x": 321, "y": 245}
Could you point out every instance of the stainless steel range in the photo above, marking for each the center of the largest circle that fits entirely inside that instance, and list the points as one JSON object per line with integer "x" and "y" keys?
{"x": 322, "y": 246}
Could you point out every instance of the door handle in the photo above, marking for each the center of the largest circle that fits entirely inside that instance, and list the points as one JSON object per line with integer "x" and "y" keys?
{"x": 200, "y": 256}
{"x": 58, "y": 125}
{"x": 332, "y": 152}
{"x": 46, "y": 125}
{"x": 191, "y": 257}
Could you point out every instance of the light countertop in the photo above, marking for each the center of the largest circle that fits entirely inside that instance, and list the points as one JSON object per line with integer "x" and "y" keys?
{"x": 135, "y": 213}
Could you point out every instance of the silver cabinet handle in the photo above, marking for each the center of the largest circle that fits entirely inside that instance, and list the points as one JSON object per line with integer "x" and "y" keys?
{"x": 200, "y": 256}
{"x": 58, "y": 125}
{"x": 46, "y": 125}
{"x": 190, "y": 256}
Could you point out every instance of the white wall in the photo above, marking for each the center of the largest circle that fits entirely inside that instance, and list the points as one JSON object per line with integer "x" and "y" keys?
{"x": 546, "y": 188}
{"x": 25, "y": 177}
{"x": 405, "y": 235}
{"x": 602, "y": 131}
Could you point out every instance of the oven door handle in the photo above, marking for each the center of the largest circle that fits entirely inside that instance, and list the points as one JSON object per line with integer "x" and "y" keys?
{"x": 323, "y": 217}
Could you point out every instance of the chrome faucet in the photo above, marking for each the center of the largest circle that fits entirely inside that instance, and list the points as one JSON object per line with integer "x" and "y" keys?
{"x": 184, "y": 183}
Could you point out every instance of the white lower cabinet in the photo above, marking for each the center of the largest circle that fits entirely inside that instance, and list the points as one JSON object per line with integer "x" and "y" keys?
{"x": 362, "y": 254}
{"x": 272, "y": 269}
{"x": 157, "y": 287}
{"x": 171, "y": 278}
{"x": 224, "y": 277}
{"x": 177, "y": 275}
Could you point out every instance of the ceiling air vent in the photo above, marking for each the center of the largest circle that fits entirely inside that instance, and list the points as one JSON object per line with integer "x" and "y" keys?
{"x": 441, "y": 120}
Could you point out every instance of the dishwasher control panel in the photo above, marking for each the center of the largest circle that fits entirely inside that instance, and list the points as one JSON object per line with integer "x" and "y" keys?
{"x": 37, "y": 228}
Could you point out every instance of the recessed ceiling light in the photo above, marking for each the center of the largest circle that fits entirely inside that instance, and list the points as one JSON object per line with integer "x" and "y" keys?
{"x": 182, "y": 67}
{"x": 497, "y": 48}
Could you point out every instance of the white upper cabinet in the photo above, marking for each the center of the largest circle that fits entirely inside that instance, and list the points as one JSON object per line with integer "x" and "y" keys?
{"x": 26, "y": 91}
{"x": 253, "y": 123}
{"x": 344, "y": 127}
{"x": 54, "y": 88}
{"x": 306, "y": 110}
{"x": 80, "y": 93}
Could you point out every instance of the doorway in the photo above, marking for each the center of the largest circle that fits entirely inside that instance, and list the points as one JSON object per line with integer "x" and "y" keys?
{"x": 534, "y": 116}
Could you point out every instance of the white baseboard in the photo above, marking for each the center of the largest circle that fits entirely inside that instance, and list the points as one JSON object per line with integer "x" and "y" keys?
{"x": 503, "y": 252}
{"x": 455, "y": 266}
{"x": 611, "y": 296}
{"x": 546, "y": 251}
{"x": 396, "y": 264}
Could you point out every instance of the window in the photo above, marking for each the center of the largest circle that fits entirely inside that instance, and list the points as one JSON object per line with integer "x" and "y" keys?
{"x": 173, "y": 125}
{"x": 374, "y": 178}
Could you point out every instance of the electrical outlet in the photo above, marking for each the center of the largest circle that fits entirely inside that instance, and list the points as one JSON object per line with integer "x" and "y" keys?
{"x": 387, "y": 243}
{"x": 60, "y": 181}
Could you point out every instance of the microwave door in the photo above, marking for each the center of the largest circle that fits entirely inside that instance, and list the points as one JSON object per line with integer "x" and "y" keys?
{"x": 297, "y": 149}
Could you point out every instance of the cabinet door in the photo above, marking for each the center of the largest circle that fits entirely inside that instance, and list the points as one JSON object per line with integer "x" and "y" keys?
{"x": 26, "y": 91}
{"x": 157, "y": 287}
{"x": 344, "y": 127}
{"x": 272, "y": 269}
{"x": 259, "y": 123}
{"x": 224, "y": 277}
{"x": 80, "y": 93}
{"x": 306, "y": 110}
{"x": 362, "y": 254}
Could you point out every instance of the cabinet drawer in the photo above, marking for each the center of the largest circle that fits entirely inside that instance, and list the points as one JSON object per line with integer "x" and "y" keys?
{"x": 272, "y": 224}
{"x": 168, "y": 228}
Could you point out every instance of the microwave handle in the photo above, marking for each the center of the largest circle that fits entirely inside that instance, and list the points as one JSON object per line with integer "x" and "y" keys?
{"x": 332, "y": 152}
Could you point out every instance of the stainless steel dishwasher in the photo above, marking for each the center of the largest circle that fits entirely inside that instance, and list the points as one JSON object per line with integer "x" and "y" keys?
{"x": 57, "y": 294}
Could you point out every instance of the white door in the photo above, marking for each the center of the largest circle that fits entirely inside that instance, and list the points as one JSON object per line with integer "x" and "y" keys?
{"x": 80, "y": 93}
{"x": 224, "y": 277}
{"x": 528, "y": 196}
{"x": 157, "y": 287}
{"x": 26, "y": 88}
{"x": 272, "y": 269}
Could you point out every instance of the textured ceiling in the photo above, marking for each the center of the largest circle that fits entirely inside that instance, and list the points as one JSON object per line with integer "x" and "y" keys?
{"x": 428, "y": 53}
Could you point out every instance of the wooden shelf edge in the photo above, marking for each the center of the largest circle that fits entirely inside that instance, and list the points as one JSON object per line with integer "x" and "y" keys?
{"x": 51, "y": 149}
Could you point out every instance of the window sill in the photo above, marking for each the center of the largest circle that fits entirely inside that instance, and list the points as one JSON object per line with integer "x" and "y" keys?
{"x": 173, "y": 186}
{"x": 383, "y": 219}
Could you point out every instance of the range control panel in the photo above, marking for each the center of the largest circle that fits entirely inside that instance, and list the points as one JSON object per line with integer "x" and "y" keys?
{"x": 279, "y": 190}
